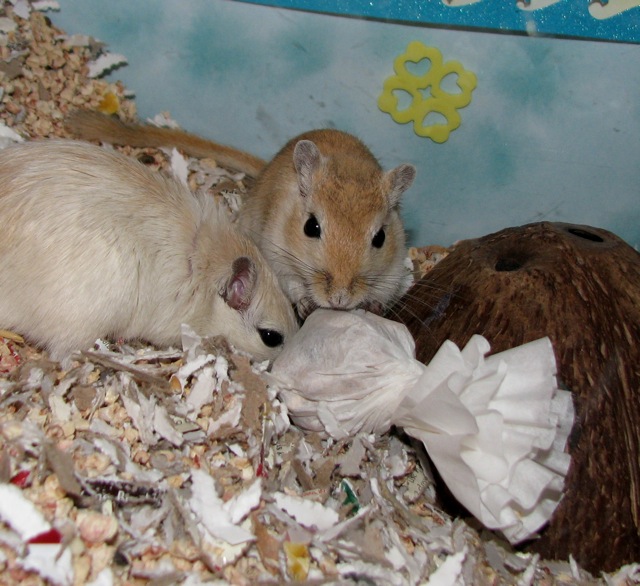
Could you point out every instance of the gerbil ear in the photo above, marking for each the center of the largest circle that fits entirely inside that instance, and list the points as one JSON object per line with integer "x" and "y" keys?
{"x": 398, "y": 181}
{"x": 306, "y": 159}
{"x": 238, "y": 290}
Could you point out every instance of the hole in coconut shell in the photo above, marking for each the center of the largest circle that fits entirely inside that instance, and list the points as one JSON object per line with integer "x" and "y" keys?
{"x": 580, "y": 233}
{"x": 508, "y": 264}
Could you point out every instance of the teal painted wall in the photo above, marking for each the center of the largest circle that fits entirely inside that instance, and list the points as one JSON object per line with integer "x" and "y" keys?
{"x": 552, "y": 132}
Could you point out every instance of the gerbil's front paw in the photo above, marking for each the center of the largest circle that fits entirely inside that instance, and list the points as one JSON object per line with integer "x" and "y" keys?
{"x": 373, "y": 306}
{"x": 304, "y": 307}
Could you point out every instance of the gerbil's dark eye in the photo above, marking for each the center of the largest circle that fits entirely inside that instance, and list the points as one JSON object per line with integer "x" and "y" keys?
{"x": 378, "y": 239}
{"x": 271, "y": 338}
{"x": 312, "y": 227}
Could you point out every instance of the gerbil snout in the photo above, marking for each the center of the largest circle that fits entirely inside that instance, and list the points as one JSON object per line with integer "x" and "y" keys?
{"x": 340, "y": 300}
{"x": 342, "y": 292}
{"x": 338, "y": 293}
{"x": 336, "y": 290}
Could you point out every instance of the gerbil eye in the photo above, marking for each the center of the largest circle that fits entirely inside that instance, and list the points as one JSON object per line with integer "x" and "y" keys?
{"x": 312, "y": 227}
{"x": 378, "y": 239}
{"x": 271, "y": 338}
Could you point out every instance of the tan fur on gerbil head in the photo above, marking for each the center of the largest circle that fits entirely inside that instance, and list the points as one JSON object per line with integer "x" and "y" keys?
{"x": 326, "y": 216}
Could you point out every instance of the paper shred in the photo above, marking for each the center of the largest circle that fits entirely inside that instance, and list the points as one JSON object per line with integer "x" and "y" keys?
{"x": 47, "y": 537}
{"x": 60, "y": 409}
{"x": 21, "y": 479}
{"x": 214, "y": 517}
{"x": 351, "y": 461}
{"x": 230, "y": 419}
{"x": 351, "y": 500}
{"x": 240, "y": 505}
{"x": 126, "y": 493}
{"x": 179, "y": 167}
{"x": 7, "y": 138}
{"x": 449, "y": 573}
{"x": 330, "y": 533}
{"x": 110, "y": 360}
{"x": 629, "y": 574}
{"x": 104, "y": 578}
{"x": 191, "y": 367}
{"x": 307, "y": 513}
{"x": 202, "y": 390}
{"x": 105, "y": 64}
{"x": 164, "y": 426}
{"x": 141, "y": 411}
{"x": 62, "y": 464}
{"x": 163, "y": 120}
{"x": 371, "y": 573}
{"x": 268, "y": 545}
{"x": 20, "y": 513}
{"x": 50, "y": 561}
{"x": 21, "y": 8}
{"x": 298, "y": 560}
{"x": 45, "y": 5}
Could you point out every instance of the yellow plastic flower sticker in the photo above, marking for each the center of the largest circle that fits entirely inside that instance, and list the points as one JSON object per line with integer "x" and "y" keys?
{"x": 427, "y": 96}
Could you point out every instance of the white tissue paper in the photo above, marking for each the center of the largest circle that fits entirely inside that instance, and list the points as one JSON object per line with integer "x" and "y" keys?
{"x": 495, "y": 427}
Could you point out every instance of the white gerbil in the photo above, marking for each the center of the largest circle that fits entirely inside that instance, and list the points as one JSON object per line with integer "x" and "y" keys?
{"x": 323, "y": 211}
{"x": 93, "y": 244}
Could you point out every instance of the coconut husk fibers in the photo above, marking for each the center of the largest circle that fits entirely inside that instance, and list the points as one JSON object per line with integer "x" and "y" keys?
{"x": 580, "y": 286}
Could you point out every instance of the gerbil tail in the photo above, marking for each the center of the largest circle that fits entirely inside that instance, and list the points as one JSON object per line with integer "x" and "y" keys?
{"x": 92, "y": 125}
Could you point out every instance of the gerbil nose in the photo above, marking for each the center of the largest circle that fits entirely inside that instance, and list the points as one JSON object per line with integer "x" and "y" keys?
{"x": 338, "y": 290}
{"x": 340, "y": 299}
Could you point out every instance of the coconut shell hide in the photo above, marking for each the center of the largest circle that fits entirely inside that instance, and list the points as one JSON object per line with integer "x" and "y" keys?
{"x": 581, "y": 287}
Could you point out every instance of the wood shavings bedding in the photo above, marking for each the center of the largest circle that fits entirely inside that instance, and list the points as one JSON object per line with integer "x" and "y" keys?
{"x": 138, "y": 465}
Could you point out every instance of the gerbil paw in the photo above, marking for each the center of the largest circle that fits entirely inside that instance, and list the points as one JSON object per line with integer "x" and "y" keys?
{"x": 373, "y": 307}
{"x": 304, "y": 307}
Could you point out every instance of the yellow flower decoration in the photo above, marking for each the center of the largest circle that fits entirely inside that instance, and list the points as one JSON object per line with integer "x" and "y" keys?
{"x": 437, "y": 101}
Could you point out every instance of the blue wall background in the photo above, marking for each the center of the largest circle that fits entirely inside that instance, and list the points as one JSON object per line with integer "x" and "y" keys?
{"x": 552, "y": 132}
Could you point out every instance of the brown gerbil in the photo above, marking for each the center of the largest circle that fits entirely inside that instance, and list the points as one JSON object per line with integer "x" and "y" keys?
{"x": 322, "y": 211}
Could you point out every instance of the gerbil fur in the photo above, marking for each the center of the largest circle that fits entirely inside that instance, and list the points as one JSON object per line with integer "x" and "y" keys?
{"x": 323, "y": 212}
{"x": 93, "y": 244}
{"x": 326, "y": 216}
{"x": 91, "y": 125}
